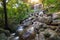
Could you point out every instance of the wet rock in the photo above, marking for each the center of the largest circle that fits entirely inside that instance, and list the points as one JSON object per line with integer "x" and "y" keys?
{"x": 41, "y": 36}
{"x": 20, "y": 30}
{"x": 47, "y": 33}
{"x": 16, "y": 38}
{"x": 29, "y": 34}
{"x": 13, "y": 38}
{"x": 54, "y": 22}
{"x": 37, "y": 37}
{"x": 45, "y": 19}
{"x": 58, "y": 30}
{"x": 53, "y": 27}
{"x": 50, "y": 32}
{"x": 36, "y": 14}
{"x": 41, "y": 13}
{"x": 56, "y": 15}
{"x": 28, "y": 21}
{"x": 37, "y": 24}
{"x": 41, "y": 30}
{"x": 54, "y": 38}
{"x": 45, "y": 26}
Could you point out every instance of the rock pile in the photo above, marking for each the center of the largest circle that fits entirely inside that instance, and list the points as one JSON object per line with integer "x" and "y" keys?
{"x": 40, "y": 27}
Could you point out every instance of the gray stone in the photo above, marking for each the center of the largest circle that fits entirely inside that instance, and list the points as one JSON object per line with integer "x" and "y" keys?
{"x": 51, "y": 32}
{"x": 53, "y": 27}
{"x": 20, "y": 30}
{"x": 28, "y": 21}
{"x": 45, "y": 19}
{"x": 56, "y": 15}
{"x": 41, "y": 36}
{"x": 28, "y": 34}
{"x": 56, "y": 22}
{"x": 13, "y": 38}
{"x": 45, "y": 26}
{"x": 37, "y": 24}
{"x": 54, "y": 38}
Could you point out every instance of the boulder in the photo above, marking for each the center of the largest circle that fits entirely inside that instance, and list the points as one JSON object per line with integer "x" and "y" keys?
{"x": 37, "y": 24}
{"x": 58, "y": 30}
{"x": 3, "y": 36}
{"x": 39, "y": 36}
{"x": 53, "y": 27}
{"x": 13, "y": 38}
{"x": 50, "y": 32}
{"x": 45, "y": 19}
{"x": 28, "y": 21}
{"x": 20, "y": 30}
{"x": 28, "y": 34}
{"x": 45, "y": 26}
{"x": 56, "y": 15}
{"x": 54, "y": 38}
{"x": 7, "y": 32}
{"x": 55, "y": 22}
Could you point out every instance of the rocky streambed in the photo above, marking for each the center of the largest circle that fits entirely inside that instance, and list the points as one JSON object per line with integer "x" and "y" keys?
{"x": 38, "y": 27}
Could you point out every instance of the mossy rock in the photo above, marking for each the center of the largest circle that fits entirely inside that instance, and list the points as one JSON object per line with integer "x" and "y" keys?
{"x": 3, "y": 36}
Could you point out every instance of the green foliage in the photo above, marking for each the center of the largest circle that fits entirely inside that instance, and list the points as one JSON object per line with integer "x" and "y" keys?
{"x": 53, "y": 5}
{"x": 17, "y": 10}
